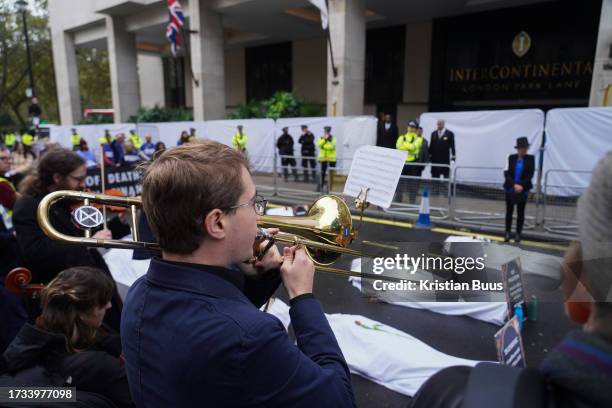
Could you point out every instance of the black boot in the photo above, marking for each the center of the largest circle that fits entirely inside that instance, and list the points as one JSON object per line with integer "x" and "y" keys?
{"x": 507, "y": 237}
{"x": 517, "y": 237}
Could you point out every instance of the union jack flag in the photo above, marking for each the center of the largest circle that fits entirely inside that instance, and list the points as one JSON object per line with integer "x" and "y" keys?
{"x": 177, "y": 18}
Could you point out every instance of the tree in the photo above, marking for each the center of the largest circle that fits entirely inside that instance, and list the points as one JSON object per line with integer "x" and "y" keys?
{"x": 13, "y": 63}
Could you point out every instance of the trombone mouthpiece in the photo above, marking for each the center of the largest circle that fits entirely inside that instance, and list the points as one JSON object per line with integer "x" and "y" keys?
{"x": 261, "y": 234}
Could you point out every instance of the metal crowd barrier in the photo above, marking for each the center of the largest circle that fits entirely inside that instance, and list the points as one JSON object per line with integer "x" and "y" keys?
{"x": 410, "y": 190}
{"x": 463, "y": 197}
{"x": 484, "y": 203}
{"x": 559, "y": 204}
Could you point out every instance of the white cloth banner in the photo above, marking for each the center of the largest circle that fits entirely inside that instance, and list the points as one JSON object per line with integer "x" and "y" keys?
{"x": 576, "y": 139}
{"x": 381, "y": 353}
{"x": 351, "y": 132}
{"x": 486, "y": 138}
{"x": 260, "y": 142}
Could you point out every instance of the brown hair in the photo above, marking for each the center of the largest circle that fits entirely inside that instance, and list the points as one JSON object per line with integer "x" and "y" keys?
{"x": 183, "y": 185}
{"x": 74, "y": 292}
{"x": 56, "y": 161}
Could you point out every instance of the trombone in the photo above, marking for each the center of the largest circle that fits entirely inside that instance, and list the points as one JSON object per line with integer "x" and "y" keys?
{"x": 325, "y": 232}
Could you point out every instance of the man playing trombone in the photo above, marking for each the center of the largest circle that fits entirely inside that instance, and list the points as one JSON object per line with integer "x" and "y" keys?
{"x": 192, "y": 331}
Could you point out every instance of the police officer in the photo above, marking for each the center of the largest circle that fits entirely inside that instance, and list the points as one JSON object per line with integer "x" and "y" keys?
{"x": 285, "y": 150}
{"x": 239, "y": 141}
{"x": 308, "y": 152}
{"x": 411, "y": 143}
{"x": 9, "y": 140}
{"x": 75, "y": 140}
{"x": 327, "y": 153}
{"x": 135, "y": 139}
{"x": 28, "y": 140}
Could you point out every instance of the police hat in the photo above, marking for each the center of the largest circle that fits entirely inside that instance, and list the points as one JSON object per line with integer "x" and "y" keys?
{"x": 413, "y": 124}
{"x": 327, "y": 128}
{"x": 304, "y": 127}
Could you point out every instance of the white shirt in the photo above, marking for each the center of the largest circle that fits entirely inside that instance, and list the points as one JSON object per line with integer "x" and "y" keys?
{"x": 441, "y": 132}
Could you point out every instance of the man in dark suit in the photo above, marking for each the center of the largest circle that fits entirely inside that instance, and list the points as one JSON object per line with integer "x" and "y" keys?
{"x": 387, "y": 133}
{"x": 518, "y": 174}
{"x": 193, "y": 334}
{"x": 441, "y": 150}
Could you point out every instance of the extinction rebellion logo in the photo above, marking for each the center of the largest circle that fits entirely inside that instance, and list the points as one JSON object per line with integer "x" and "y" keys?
{"x": 521, "y": 44}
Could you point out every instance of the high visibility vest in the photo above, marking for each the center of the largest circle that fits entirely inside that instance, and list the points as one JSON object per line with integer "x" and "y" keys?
{"x": 75, "y": 139}
{"x": 411, "y": 143}
{"x": 103, "y": 140}
{"x": 327, "y": 149}
{"x": 135, "y": 140}
{"x": 27, "y": 139}
{"x": 239, "y": 141}
{"x": 9, "y": 140}
{"x": 7, "y": 213}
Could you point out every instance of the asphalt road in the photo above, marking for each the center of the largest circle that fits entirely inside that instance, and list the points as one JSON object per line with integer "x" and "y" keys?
{"x": 458, "y": 336}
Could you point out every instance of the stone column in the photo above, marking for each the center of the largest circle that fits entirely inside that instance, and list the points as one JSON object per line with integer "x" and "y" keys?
{"x": 66, "y": 77}
{"x": 601, "y": 85}
{"x": 348, "y": 34}
{"x": 123, "y": 63}
{"x": 207, "y": 61}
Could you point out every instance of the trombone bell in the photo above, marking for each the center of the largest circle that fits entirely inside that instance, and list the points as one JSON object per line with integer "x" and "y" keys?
{"x": 328, "y": 222}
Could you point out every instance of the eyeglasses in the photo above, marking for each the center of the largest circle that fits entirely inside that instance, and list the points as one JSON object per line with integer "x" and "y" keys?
{"x": 79, "y": 179}
{"x": 258, "y": 202}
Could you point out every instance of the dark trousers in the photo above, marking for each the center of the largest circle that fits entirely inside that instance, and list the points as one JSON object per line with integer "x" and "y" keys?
{"x": 285, "y": 163}
{"x": 436, "y": 171}
{"x": 520, "y": 200}
{"x": 324, "y": 166}
{"x": 411, "y": 185}
{"x": 313, "y": 165}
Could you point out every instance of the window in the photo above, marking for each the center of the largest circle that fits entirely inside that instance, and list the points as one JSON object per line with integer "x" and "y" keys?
{"x": 268, "y": 69}
{"x": 174, "y": 82}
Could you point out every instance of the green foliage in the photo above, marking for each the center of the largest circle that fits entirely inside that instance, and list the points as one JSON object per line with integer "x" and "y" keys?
{"x": 281, "y": 105}
{"x": 94, "y": 79}
{"x": 158, "y": 114}
{"x": 13, "y": 62}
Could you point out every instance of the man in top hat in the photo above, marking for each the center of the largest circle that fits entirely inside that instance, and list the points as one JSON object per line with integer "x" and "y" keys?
{"x": 518, "y": 174}
{"x": 308, "y": 152}
{"x": 285, "y": 150}
{"x": 327, "y": 153}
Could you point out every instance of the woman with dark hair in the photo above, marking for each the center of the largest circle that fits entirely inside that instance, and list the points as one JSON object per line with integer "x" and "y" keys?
{"x": 59, "y": 169}
{"x": 160, "y": 147}
{"x": 68, "y": 345}
{"x": 184, "y": 138}
{"x": 22, "y": 162}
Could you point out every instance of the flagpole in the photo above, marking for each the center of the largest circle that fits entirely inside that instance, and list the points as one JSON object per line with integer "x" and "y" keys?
{"x": 188, "y": 54}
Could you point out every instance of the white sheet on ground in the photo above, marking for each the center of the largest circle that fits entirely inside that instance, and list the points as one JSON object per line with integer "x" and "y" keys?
{"x": 380, "y": 353}
{"x": 490, "y": 312}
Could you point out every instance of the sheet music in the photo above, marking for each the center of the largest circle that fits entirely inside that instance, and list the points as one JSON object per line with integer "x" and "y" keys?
{"x": 378, "y": 169}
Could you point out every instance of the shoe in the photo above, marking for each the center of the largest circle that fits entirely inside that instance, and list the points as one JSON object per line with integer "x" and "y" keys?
{"x": 517, "y": 238}
{"x": 507, "y": 237}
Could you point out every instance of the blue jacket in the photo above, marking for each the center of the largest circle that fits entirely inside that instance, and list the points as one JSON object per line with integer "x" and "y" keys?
{"x": 194, "y": 337}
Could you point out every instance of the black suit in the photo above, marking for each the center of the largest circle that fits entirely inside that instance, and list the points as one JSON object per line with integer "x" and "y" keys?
{"x": 518, "y": 199}
{"x": 387, "y": 137}
{"x": 439, "y": 149}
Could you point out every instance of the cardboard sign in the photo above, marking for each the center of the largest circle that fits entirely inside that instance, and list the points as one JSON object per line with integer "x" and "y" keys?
{"x": 512, "y": 274}
{"x": 510, "y": 344}
{"x": 126, "y": 179}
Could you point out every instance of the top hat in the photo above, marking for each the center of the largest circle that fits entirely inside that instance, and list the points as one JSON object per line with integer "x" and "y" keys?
{"x": 521, "y": 142}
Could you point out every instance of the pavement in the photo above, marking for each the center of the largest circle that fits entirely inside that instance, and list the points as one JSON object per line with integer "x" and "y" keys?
{"x": 458, "y": 336}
